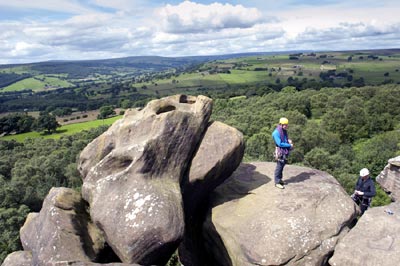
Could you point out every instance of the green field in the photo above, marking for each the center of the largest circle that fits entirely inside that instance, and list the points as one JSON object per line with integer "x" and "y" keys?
{"x": 63, "y": 130}
{"x": 374, "y": 69}
{"x": 38, "y": 83}
{"x": 255, "y": 74}
{"x": 19, "y": 70}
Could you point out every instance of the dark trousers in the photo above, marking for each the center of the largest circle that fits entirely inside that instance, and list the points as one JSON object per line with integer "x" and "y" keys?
{"x": 361, "y": 201}
{"x": 280, "y": 164}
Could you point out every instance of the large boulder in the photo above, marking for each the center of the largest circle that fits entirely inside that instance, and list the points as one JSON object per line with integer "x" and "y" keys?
{"x": 375, "y": 240}
{"x": 81, "y": 263}
{"x": 220, "y": 152}
{"x": 18, "y": 258}
{"x": 132, "y": 174}
{"x": 253, "y": 223}
{"x": 62, "y": 230}
{"x": 389, "y": 178}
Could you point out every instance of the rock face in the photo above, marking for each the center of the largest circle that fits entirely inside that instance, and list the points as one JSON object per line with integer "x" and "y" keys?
{"x": 220, "y": 152}
{"x": 18, "y": 258}
{"x": 62, "y": 231}
{"x": 146, "y": 177}
{"x": 375, "y": 240}
{"x": 253, "y": 223}
{"x": 132, "y": 174}
{"x": 389, "y": 178}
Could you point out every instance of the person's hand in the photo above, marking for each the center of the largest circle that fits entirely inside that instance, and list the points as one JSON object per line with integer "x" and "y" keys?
{"x": 359, "y": 192}
{"x": 291, "y": 143}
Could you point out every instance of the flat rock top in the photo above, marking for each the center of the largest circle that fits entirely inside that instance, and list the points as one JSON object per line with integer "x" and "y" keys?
{"x": 248, "y": 209}
{"x": 375, "y": 240}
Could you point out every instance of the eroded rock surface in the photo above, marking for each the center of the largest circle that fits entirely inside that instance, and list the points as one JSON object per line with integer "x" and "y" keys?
{"x": 18, "y": 258}
{"x": 220, "y": 152}
{"x": 375, "y": 240}
{"x": 389, "y": 178}
{"x": 132, "y": 176}
{"x": 62, "y": 230}
{"x": 253, "y": 223}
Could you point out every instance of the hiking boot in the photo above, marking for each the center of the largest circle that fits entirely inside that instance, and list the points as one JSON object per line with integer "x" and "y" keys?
{"x": 279, "y": 186}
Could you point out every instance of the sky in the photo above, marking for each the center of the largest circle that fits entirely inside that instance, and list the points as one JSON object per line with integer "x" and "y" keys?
{"x": 41, "y": 30}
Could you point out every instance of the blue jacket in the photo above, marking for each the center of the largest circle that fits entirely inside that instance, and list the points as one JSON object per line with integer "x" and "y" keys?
{"x": 280, "y": 143}
{"x": 367, "y": 186}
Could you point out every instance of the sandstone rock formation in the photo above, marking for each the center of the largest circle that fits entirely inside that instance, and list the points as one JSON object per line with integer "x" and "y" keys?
{"x": 134, "y": 176}
{"x": 162, "y": 177}
{"x": 18, "y": 258}
{"x": 375, "y": 240}
{"x": 132, "y": 173}
{"x": 389, "y": 178}
{"x": 253, "y": 223}
{"x": 220, "y": 152}
{"x": 62, "y": 230}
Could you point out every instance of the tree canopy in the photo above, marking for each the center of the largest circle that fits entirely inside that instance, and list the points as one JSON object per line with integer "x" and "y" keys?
{"x": 46, "y": 121}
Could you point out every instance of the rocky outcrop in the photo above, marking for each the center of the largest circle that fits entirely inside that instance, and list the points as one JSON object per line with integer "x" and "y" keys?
{"x": 375, "y": 240}
{"x": 139, "y": 178}
{"x": 253, "y": 223}
{"x": 62, "y": 231}
{"x": 132, "y": 174}
{"x": 80, "y": 263}
{"x": 389, "y": 178}
{"x": 18, "y": 258}
{"x": 166, "y": 176}
{"x": 220, "y": 152}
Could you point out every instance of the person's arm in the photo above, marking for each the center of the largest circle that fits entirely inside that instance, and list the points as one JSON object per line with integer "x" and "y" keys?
{"x": 278, "y": 141}
{"x": 356, "y": 187}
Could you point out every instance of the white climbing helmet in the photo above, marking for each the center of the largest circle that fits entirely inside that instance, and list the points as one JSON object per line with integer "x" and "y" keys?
{"x": 364, "y": 172}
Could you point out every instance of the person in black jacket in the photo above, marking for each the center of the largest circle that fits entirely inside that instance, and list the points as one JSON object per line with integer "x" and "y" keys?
{"x": 364, "y": 190}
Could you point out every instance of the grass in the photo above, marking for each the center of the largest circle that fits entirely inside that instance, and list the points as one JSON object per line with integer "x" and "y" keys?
{"x": 38, "y": 83}
{"x": 384, "y": 68}
{"x": 276, "y": 67}
{"x": 69, "y": 129}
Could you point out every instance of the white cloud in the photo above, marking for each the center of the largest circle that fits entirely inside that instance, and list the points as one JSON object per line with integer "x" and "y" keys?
{"x": 118, "y": 4}
{"x": 350, "y": 36}
{"x": 60, "y": 5}
{"x": 188, "y": 17}
{"x": 95, "y": 29}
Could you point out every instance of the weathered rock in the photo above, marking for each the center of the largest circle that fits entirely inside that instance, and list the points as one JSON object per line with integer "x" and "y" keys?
{"x": 220, "y": 152}
{"x": 375, "y": 240}
{"x": 132, "y": 176}
{"x": 253, "y": 223}
{"x": 389, "y": 178}
{"x": 62, "y": 230}
{"x": 18, "y": 258}
{"x": 81, "y": 263}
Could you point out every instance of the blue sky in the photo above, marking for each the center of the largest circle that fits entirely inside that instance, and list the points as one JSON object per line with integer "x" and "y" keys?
{"x": 40, "y": 30}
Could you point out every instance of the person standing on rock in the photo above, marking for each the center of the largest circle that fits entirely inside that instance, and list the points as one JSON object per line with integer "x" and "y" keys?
{"x": 364, "y": 190}
{"x": 283, "y": 146}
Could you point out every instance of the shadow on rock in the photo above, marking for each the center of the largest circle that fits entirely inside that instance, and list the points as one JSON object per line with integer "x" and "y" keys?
{"x": 300, "y": 177}
{"x": 241, "y": 183}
